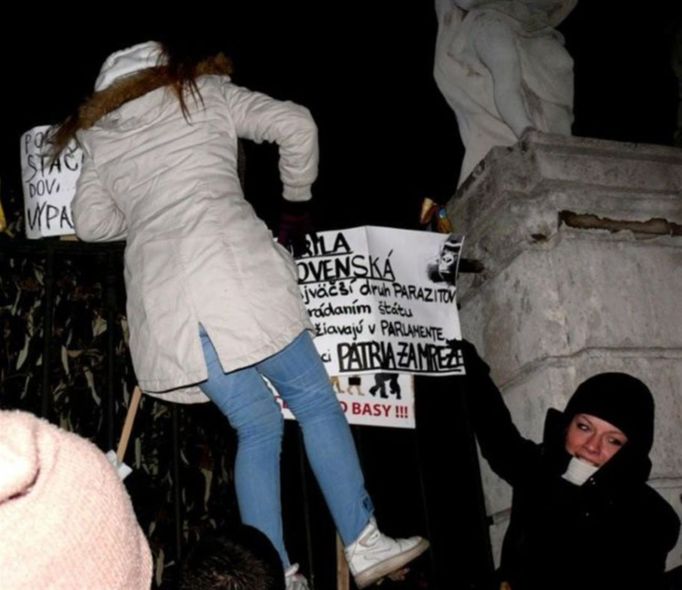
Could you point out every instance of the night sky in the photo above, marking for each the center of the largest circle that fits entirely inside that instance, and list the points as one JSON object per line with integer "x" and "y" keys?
{"x": 387, "y": 137}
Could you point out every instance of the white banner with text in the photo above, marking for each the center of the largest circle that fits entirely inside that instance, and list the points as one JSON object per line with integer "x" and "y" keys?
{"x": 383, "y": 303}
{"x": 48, "y": 186}
{"x": 383, "y": 300}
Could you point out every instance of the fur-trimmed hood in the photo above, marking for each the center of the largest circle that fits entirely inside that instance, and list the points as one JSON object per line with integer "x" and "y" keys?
{"x": 128, "y": 86}
{"x": 140, "y": 83}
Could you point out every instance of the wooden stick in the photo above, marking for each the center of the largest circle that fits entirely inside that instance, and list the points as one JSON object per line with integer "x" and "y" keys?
{"x": 128, "y": 424}
{"x": 342, "y": 574}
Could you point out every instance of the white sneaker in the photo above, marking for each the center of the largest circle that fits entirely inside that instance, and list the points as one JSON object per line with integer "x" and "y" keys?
{"x": 293, "y": 580}
{"x": 374, "y": 555}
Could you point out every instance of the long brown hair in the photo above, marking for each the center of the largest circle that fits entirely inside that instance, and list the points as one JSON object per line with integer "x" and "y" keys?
{"x": 185, "y": 60}
{"x": 182, "y": 63}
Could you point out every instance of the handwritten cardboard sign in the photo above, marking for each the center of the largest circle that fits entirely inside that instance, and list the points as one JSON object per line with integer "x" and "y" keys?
{"x": 48, "y": 186}
{"x": 381, "y": 399}
{"x": 382, "y": 301}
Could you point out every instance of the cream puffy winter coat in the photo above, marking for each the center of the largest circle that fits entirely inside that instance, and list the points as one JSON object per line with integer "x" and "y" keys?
{"x": 196, "y": 253}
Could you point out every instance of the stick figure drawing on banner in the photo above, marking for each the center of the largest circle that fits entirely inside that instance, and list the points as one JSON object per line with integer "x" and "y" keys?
{"x": 379, "y": 386}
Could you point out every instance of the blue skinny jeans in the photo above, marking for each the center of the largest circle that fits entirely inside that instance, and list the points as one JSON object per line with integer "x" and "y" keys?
{"x": 300, "y": 378}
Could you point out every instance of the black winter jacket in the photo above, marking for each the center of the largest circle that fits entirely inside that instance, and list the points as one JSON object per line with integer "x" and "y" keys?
{"x": 613, "y": 532}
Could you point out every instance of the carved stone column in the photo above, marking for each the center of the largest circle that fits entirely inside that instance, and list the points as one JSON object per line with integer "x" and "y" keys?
{"x": 581, "y": 240}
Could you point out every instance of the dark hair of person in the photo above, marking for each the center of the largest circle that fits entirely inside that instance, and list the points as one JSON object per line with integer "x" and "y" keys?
{"x": 184, "y": 61}
{"x": 185, "y": 57}
{"x": 239, "y": 559}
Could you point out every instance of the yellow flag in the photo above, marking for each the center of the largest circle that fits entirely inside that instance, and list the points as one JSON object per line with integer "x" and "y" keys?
{"x": 3, "y": 221}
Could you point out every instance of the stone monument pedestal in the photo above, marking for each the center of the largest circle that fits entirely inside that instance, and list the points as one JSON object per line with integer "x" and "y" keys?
{"x": 581, "y": 243}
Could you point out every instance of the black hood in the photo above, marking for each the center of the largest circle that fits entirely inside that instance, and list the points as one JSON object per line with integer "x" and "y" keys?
{"x": 621, "y": 400}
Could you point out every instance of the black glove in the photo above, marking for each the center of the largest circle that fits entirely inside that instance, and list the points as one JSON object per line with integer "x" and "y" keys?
{"x": 294, "y": 223}
{"x": 473, "y": 363}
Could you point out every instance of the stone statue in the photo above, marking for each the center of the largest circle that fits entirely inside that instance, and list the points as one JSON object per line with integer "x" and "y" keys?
{"x": 503, "y": 68}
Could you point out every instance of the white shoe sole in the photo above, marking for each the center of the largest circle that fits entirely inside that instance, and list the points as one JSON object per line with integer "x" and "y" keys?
{"x": 375, "y": 573}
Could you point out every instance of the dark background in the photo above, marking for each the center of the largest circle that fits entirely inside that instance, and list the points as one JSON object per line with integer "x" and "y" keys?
{"x": 387, "y": 137}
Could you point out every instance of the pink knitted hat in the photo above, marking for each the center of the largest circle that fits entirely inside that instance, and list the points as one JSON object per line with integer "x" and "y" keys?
{"x": 66, "y": 521}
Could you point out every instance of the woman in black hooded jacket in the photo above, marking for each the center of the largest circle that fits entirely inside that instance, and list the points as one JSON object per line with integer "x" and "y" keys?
{"x": 582, "y": 515}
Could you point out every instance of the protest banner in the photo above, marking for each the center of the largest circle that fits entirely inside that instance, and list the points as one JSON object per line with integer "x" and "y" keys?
{"x": 381, "y": 399}
{"x": 382, "y": 301}
{"x": 48, "y": 186}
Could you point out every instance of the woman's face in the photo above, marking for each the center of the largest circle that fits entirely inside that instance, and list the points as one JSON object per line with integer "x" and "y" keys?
{"x": 593, "y": 440}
